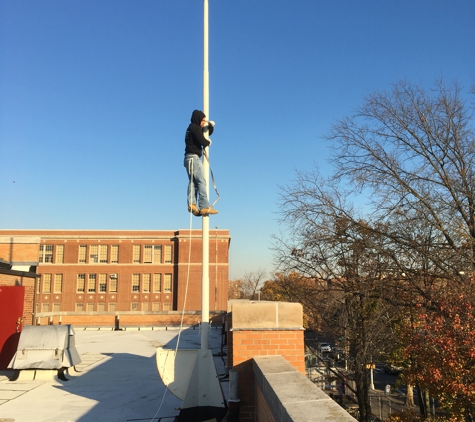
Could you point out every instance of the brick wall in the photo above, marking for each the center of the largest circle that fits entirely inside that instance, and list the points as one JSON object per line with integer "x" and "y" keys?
{"x": 19, "y": 250}
{"x": 286, "y": 343}
{"x": 128, "y": 319}
{"x": 263, "y": 412}
{"x": 262, "y": 329}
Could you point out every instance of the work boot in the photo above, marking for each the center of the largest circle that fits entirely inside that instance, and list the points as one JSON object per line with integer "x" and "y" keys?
{"x": 194, "y": 209}
{"x": 208, "y": 211}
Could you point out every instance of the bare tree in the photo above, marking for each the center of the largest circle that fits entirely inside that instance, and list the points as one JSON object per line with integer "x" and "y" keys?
{"x": 407, "y": 157}
{"x": 413, "y": 152}
{"x": 349, "y": 263}
{"x": 251, "y": 284}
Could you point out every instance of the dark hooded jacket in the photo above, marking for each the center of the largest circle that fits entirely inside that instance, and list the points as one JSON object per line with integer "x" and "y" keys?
{"x": 194, "y": 139}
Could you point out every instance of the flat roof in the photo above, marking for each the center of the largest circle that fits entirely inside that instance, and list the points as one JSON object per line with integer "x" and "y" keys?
{"x": 117, "y": 379}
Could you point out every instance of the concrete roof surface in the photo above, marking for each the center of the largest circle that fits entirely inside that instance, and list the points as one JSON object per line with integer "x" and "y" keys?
{"x": 117, "y": 380}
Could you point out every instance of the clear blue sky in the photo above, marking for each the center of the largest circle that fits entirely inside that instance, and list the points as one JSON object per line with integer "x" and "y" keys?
{"x": 96, "y": 95}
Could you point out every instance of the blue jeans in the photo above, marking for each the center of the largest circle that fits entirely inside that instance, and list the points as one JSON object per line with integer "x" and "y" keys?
{"x": 197, "y": 182}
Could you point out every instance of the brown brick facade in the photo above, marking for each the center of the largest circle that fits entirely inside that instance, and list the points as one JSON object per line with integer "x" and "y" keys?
{"x": 119, "y": 271}
{"x": 113, "y": 320}
{"x": 18, "y": 249}
{"x": 289, "y": 344}
{"x": 263, "y": 411}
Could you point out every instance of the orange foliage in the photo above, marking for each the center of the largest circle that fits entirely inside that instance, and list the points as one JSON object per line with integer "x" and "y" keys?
{"x": 442, "y": 349}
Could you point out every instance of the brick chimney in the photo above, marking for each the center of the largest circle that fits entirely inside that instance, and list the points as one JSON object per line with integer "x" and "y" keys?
{"x": 259, "y": 328}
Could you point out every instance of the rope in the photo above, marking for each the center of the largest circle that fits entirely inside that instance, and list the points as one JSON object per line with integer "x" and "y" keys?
{"x": 182, "y": 313}
{"x": 188, "y": 269}
{"x": 212, "y": 178}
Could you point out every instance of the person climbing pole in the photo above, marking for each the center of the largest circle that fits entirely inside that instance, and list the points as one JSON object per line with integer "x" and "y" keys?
{"x": 195, "y": 141}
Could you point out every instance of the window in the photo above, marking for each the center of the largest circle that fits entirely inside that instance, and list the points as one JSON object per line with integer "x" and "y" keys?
{"x": 45, "y": 307}
{"x": 112, "y": 307}
{"x": 168, "y": 254}
{"x": 136, "y": 282}
{"x": 101, "y": 307}
{"x": 56, "y": 307}
{"x": 157, "y": 254}
{"x": 58, "y": 283}
{"x": 90, "y": 307}
{"x": 136, "y": 254}
{"x": 93, "y": 254}
{"x": 81, "y": 283}
{"x": 152, "y": 253}
{"x": 155, "y": 306}
{"x": 98, "y": 253}
{"x": 157, "y": 283}
{"x": 59, "y": 254}
{"x": 167, "y": 306}
{"x": 167, "y": 283}
{"x": 145, "y": 306}
{"x": 103, "y": 254}
{"x": 79, "y": 307}
{"x": 114, "y": 254}
{"x": 46, "y": 253}
{"x": 147, "y": 254}
{"x": 46, "y": 283}
{"x": 82, "y": 254}
{"x": 102, "y": 283}
{"x": 134, "y": 306}
{"x": 113, "y": 283}
{"x": 91, "y": 283}
{"x": 146, "y": 283}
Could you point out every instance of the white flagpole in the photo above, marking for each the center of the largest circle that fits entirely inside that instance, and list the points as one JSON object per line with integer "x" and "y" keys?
{"x": 205, "y": 219}
{"x": 202, "y": 387}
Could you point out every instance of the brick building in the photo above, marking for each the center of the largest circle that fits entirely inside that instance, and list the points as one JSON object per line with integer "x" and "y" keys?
{"x": 119, "y": 270}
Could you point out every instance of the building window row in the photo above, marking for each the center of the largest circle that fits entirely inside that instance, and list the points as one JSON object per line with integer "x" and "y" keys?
{"x": 46, "y": 307}
{"x": 108, "y": 254}
{"x": 141, "y": 254}
{"x": 101, "y": 307}
{"x": 104, "y": 307}
{"x": 101, "y": 283}
{"x": 98, "y": 254}
{"x": 152, "y": 283}
{"x": 112, "y": 306}
{"x": 50, "y": 283}
{"x": 48, "y": 251}
{"x": 146, "y": 306}
{"x": 152, "y": 254}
